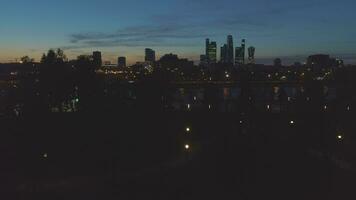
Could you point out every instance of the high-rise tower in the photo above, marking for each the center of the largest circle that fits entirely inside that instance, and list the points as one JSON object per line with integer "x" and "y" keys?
{"x": 150, "y": 55}
{"x": 230, "y": 50}
{"x": 251, "y": 55}
{"x": 210, "y": 52}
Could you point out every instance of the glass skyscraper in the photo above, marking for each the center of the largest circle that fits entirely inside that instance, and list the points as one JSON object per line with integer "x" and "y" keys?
{"x": 240, "y": 53}
{"x": 223, "y": 54}
{"x": 230, "y": 50}
{"x": 211, "y": 55}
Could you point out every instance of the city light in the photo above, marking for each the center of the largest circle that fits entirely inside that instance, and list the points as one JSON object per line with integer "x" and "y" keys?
{"x": 187, "y": 129}
{"x": 340, "y": 137}
{"x": 187, "y": 147}
{"x": 291, "y": 122}
{"x": 45, "y": 155}
{"x": 268, "y": 107}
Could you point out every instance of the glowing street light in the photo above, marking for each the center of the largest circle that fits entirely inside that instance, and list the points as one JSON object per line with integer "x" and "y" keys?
{"x": 45, "y": 155}
{"x": 291, "y": 122}
{"x": 187, "y": 147}
{"x": 187, "y": 129}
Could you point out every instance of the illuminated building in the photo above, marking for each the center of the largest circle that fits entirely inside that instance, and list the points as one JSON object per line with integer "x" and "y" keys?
{"x": 210, "y": 52}
{"x": 150, "y": 55}
{"x": 240, "y": 54}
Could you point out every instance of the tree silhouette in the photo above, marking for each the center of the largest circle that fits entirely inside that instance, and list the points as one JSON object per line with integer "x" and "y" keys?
{"x": 56, "y": 79}
{"x": 27, "y": 59}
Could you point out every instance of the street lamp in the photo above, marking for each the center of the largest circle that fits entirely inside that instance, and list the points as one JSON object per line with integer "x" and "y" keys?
{"x": 187, "y": 147}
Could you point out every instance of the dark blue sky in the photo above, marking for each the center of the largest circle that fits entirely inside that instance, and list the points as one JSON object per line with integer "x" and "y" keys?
{"x": 277, "y": 28}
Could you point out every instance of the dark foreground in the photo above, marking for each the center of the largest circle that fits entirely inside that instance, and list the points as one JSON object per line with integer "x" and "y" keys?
{"x": 144, "y": 156}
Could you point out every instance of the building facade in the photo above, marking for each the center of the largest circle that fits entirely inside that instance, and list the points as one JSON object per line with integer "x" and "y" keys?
{"x": 210, "y": 52}
{"x": 121, "y": 62}
{"x": 97, "y": 60}
{"x": 230, "y": 50}
{"x": 150, "y": 55}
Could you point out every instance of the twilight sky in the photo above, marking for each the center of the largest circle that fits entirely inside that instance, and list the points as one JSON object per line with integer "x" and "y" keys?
{"x": 290, "y": 29}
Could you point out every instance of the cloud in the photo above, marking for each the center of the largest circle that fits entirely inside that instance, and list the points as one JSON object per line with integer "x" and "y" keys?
{"x": 163, "y": 34}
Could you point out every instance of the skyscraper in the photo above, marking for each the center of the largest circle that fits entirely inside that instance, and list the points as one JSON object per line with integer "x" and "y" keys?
{"x": 210, "y": 52}
{"x": 251, "y": 55}
{"x": 240, "y": 53}
{"x": 223, "y": 54}
{"x": 239, "y": 56}
{"x": 97, "y": 60}
{"x": 230, "y": 50}
{"x": 121, "y": 62}
{"x": 150, "y": 55}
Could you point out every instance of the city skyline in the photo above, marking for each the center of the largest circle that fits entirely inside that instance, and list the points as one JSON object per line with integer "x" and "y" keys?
{"x": 287, "y": 30}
